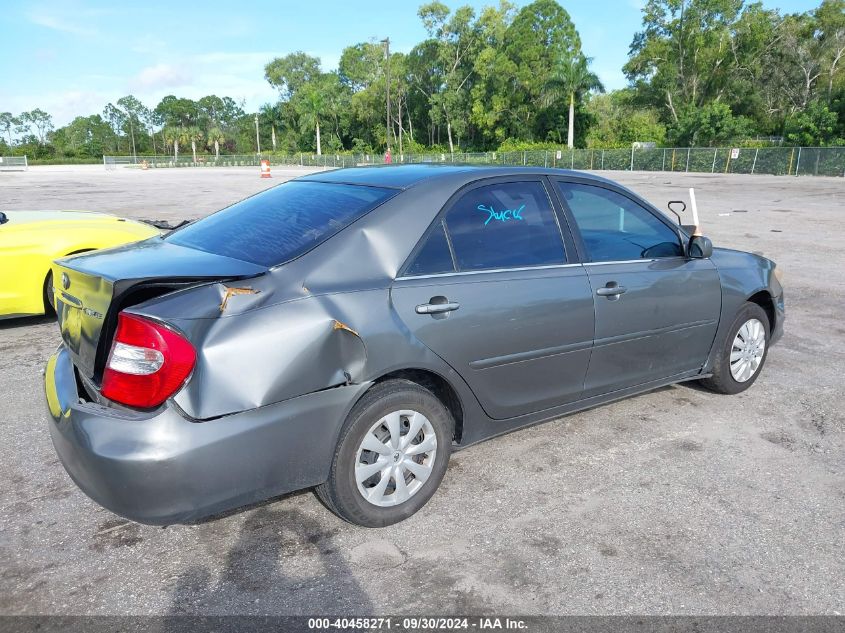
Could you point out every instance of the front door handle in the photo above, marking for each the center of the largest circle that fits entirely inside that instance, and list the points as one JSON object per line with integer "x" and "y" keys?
{"x": 612, "y": 289}
{"x": 437, "y": 308}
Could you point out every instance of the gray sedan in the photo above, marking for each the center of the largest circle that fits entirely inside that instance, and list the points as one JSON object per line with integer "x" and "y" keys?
{"x": 349, "y": 329}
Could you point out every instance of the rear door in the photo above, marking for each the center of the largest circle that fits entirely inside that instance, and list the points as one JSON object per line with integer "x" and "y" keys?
{"x": 656, "y": 310}
{"x": 494, "y": 292}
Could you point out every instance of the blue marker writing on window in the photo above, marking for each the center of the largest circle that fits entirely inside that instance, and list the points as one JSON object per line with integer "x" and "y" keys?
{"x": 502, "y": 216}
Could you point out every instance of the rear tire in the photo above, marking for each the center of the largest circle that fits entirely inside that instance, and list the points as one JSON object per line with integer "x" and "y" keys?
{"x": 391, "y": 456}
{"x": 742, "y": 354}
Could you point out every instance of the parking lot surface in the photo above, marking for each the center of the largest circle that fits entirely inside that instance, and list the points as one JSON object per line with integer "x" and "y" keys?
{"x": 679, "y": 501}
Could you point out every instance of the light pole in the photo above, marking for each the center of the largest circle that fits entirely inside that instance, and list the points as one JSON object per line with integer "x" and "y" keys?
{"x": 257, "y": 140}
{"x": 386, "y": 42}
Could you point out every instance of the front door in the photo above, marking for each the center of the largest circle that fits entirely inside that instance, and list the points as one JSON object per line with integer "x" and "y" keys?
{"x": 491, "y": 291}
{"x": 656, "y": 310}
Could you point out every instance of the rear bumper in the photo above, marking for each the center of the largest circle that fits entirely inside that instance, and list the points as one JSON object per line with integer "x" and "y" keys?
{"x": 161, "y": 468}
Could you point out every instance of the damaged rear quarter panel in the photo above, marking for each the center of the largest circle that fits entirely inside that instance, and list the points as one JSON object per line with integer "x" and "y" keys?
{"x": 265, "y": 354}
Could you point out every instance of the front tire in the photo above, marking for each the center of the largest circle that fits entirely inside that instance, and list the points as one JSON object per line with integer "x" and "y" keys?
{"x": 49, "y": 296}
{"x": 391, "y": 456}
{"x": 743, "y": 352}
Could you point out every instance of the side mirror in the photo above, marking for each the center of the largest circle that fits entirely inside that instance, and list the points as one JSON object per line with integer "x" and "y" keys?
{"x": 700, "y": 247}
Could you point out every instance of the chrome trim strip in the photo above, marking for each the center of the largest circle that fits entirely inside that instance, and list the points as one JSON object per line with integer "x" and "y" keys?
{"x": 635, "y": 261}
{"x": 488, "y": 271}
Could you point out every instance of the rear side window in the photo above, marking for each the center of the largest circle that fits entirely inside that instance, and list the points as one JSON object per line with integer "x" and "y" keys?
{"x": 281, "y": 223}
{"x": 434, "y": 256}
{"x": 505, "y": 225}
{"x": 615, "y": 228}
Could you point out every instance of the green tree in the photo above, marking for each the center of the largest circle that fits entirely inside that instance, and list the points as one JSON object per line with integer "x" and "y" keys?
{"x": 178, "y": 111}
{"x": 134, "y": 113}
{"x": 7, "y": 123}
{"x": 116, "y": 118}
{"x": 176, "y": 136}
{"x": 84, "y": 136}
{"x": 830, "y": 24}
{"x": 453, "y": 42}
{"x": 816, "y": 125}
{"x": 290, "y": 73}
{"x": 194, "y": 134}
{"x": 215, "y": 137}
{"x": 491, "y": 93}
{"x": 40, "y": 120}
{"x": 311, "y": 104}
{"x": 618, "y": 122}
{"x": 571, "y": 79}
{"x": 711, "y": 124}
{"x": 273, "y": 115}
{"x": 541, "y": 40}
{"x": 685, "y": 56}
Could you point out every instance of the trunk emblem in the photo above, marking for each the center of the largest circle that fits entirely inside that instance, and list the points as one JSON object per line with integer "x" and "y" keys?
{"x": 65, "y": 281}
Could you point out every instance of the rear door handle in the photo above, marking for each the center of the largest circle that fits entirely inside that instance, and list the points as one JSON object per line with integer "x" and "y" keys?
{"x": 611, "y": 290}
{"x": 437, "y": 308}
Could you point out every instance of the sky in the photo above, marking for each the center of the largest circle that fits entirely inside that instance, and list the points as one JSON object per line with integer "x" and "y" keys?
{"x": 72, "y": 57}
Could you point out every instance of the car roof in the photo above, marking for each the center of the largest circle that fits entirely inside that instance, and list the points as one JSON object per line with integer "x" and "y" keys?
{"x": 407, "y": 176}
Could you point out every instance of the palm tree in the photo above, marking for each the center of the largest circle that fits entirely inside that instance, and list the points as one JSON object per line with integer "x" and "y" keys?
{"x": 173, "y": 135}
{"x": 311, "y": 108}
{"x": 215, "y": 137}
{"x": 194, "y": 134}
{"x": 273, "y": 114}
{"x": 571, "y": 79}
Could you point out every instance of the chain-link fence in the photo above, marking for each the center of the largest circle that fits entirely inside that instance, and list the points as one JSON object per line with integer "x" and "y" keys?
{"x": 13, "y": 163}
{"x": 791, "y": 161}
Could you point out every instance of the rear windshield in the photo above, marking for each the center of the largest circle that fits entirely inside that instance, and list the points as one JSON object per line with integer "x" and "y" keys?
{"x": 279, "y": 224}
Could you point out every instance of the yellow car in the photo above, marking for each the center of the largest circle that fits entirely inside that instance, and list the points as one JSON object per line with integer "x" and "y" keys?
{"x": 31, "y": 240}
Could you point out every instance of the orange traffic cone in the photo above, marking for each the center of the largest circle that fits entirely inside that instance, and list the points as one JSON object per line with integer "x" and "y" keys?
{"x": 265, "y": 169}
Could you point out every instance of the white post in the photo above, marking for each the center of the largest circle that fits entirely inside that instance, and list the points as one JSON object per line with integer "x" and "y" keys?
{"x": 798, "y": 162}
{"x": 25, "y": 163}
{"x": 694, "y": 207}
{"x": 713, "y": 168}
{"x": 632, "y": 158}
{"x": 523, "y": 158}
{"x": 688, "y": 151}
{"x": 602, "y": 159}
{"x": 663, "y": 168}
{"x": 754, "y": 164}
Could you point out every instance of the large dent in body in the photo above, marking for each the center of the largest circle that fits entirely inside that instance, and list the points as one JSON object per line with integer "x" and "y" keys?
{"x": 263, "y": 356}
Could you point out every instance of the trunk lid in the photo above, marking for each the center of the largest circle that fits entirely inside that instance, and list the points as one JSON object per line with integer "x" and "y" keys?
{"x": 90, "y": 290}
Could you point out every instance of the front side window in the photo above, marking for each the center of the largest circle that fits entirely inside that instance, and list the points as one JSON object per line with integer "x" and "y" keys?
{"x": 277, "y": 225}
{"x": 615, "y": 228}
{"x": 505, "y": 225}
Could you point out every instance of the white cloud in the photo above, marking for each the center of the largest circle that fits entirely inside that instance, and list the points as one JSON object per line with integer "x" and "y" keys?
{"x": 63, "y": 106}
{"x": 237, "y": 75}
{"x": 160, "y": 76}
{"x": 50, "y": 20}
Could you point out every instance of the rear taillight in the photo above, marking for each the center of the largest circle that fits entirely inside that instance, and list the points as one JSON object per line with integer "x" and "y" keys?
{"x": 147, "y": 364}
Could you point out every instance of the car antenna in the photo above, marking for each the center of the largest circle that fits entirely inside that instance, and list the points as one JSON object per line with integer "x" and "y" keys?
{"x": 677, "y": 213}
